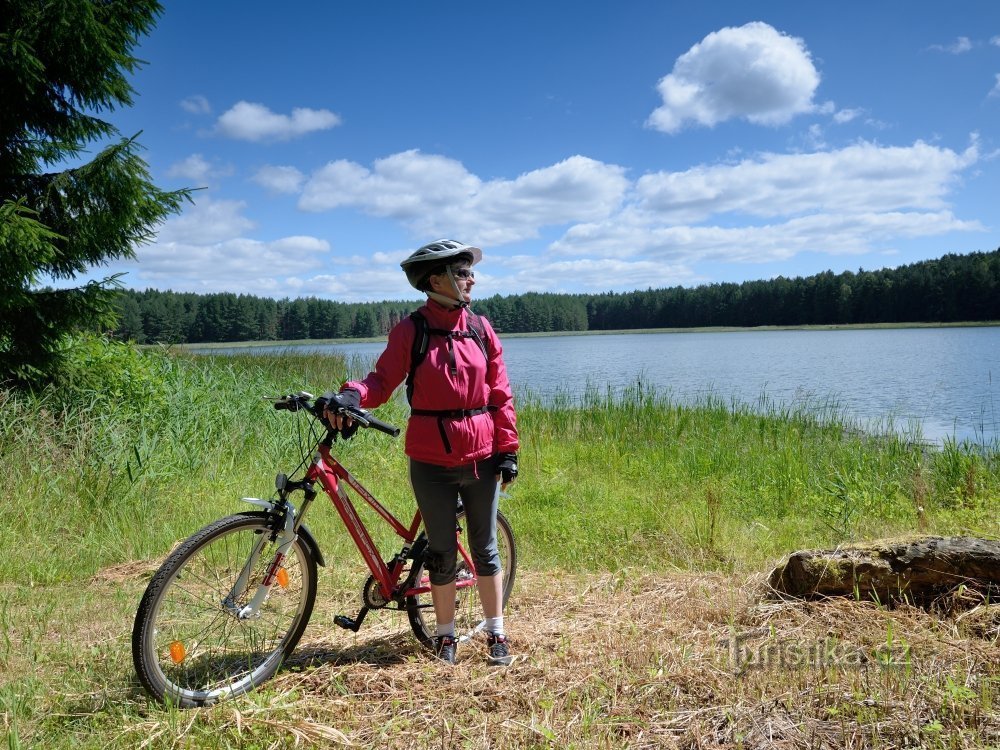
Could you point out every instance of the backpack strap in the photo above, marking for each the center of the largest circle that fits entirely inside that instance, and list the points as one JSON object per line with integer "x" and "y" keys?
{"x": 418, "y": 352}
{"x": 478, "y": 331}
{"x": 421, "y": 338}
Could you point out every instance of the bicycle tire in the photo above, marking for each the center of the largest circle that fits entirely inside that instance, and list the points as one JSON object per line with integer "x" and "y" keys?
{"x": 219, "y": 655}
{"x": 468, "y": 610}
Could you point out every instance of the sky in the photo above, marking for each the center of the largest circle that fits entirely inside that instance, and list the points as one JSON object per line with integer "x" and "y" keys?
{"x": 585, "y": 146}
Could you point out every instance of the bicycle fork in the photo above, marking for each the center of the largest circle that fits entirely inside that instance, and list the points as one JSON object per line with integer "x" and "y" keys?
{"x": 285, "y": 538}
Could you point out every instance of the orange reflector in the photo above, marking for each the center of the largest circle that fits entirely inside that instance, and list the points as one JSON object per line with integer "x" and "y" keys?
{"x": 283, "y": 578}
{"x": 177, "y": 652}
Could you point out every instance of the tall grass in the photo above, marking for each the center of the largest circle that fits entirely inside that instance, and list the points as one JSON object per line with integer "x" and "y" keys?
{"x": 635, "y": 479}
{"x": 95, "y": 476}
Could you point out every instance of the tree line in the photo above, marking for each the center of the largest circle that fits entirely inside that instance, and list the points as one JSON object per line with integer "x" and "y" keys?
{"x": 948, "y": 289}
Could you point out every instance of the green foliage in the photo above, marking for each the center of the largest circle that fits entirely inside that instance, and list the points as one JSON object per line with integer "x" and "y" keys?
{"x": 60, "y": 63}
{"x": 118, "y": 375}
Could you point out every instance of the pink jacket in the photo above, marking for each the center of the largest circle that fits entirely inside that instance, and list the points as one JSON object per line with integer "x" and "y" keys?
{"x": 476, "y": 385}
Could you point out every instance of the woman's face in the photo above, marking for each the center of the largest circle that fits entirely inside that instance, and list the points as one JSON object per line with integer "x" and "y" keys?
{"x": 464, "y": 279}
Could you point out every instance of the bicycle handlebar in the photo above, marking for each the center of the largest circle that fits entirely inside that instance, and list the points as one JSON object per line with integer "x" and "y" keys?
{"x": 367, "y": 419}
{"x": 316, "y": 406}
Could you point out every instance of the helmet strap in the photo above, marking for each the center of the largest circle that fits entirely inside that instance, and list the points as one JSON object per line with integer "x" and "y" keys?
{"x": 449, "y": 302}
{"x": 454, "y": 302}
{"x": 454, "y": 286}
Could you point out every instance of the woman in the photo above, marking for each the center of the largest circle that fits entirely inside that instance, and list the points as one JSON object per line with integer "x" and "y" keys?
{"x": 462, "y": 436}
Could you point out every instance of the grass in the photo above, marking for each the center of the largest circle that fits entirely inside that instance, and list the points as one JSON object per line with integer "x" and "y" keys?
{"x": 643, "y": 531}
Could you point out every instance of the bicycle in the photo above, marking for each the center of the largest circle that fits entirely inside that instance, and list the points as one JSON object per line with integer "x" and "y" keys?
{"x": 229, "y": 605}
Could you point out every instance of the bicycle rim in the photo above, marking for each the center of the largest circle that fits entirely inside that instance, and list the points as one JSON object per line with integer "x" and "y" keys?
{"x": 192, "y": 650}
{"x": 468, "y": 608}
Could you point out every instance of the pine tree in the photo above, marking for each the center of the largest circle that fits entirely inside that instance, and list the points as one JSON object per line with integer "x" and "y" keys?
{"x": 62, "y": 64}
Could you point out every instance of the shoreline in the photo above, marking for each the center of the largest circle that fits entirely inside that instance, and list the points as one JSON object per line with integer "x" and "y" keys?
{"x": 610, "y": 332}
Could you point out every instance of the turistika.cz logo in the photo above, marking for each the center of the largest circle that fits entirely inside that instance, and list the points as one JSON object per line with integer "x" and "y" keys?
{"x": 777, "y": 654}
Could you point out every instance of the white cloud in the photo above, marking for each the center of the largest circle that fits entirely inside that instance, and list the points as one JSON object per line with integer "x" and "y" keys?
{"x": 995, "y": 91}
{"x": 369, "y": 284}
{"x": 960, "y": 46}
{"x": 814, "y": 136}
{"x": 435, "y": 195}
{"x": 995, "y": 41}
{"x": 846, "y": 115}
{"x": 196, "y": 105}
{"x": 198, "y": 169}
{"x": 238, "y": 264}
{"x": 862, "y": 177}
{"x": 380, "y": 279}
{"x": 821, "y": 233}
{"x": 589, "y": 274}
{"x": 280, "y": 179}
{"x": 752, "y": 72}
{"x": 859, "y": 199}
{"x": 206, "y": 222}
{"x": 401, "y": 186}
{"x": 250, "y": 121}
{"x": 616, "y": 234}
{"x": 205, "y": 250}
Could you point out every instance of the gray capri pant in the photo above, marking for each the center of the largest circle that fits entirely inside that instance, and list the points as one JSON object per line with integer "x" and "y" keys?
{"x": 437, "y": 489}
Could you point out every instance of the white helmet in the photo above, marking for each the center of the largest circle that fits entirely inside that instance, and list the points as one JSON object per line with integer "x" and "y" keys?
{"x": 435, "y": 254}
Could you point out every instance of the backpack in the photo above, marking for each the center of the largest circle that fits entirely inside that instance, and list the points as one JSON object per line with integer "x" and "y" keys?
{"x": 422, "y": 338}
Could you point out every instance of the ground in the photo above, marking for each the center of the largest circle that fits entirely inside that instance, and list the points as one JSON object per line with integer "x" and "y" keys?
{"x": 616, "y": 660}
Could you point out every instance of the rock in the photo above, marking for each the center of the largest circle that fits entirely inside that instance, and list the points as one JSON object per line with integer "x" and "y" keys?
{"x": 918, "y": 569}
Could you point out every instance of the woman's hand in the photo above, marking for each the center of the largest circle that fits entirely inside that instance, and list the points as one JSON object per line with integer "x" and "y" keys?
{"x": 506, "y": 469}
{"x": 347, "y": 398}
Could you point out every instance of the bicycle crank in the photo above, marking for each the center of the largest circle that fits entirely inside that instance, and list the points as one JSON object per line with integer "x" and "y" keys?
{"x": 372, "y": 598}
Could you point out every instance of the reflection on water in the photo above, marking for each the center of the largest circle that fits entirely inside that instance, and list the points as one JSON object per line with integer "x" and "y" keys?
{"x": 938, "y": 381}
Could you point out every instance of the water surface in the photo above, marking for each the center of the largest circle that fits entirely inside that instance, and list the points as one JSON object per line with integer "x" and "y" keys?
{"x": 937, "y": 382}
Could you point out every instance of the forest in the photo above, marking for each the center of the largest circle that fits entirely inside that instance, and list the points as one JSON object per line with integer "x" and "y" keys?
{"x": 948, "y": 289}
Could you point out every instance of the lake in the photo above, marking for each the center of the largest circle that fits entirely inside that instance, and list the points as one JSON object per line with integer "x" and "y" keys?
{"x": 938, "y": 381}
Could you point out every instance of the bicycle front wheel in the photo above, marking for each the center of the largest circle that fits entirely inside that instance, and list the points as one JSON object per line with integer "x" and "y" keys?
{"x": 468, "y": 609}
{"x": 189, "y": 644}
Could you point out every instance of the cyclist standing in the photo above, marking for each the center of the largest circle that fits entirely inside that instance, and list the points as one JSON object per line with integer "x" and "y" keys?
{"x": 462, "y": 436}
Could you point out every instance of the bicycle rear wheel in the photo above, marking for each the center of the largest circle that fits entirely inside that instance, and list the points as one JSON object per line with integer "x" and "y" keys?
{"x": 188, "y": 644}
{"x": 468, "y": 609}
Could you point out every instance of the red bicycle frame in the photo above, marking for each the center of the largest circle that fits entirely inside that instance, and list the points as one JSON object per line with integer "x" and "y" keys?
{"x": 329, "y": 472}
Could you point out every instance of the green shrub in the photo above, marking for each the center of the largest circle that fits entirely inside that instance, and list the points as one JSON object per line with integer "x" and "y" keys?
{"x": 96, "y": 370}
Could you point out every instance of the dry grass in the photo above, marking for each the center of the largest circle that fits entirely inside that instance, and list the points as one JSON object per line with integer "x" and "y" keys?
{"x": 605, "y": 661}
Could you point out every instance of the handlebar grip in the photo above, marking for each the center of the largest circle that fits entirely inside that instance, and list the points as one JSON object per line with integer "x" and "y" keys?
{"x": 381, "y": 426}
{"x": 317, "y": 407}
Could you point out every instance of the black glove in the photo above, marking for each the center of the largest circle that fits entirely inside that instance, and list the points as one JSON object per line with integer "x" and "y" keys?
{"x": 347, "y": 398}
{"x": 507, "y": 467}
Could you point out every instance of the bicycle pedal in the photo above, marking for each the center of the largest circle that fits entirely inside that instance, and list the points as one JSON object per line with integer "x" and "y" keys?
{"x": 351, "y": 624}
{"x": 346, "y": 623}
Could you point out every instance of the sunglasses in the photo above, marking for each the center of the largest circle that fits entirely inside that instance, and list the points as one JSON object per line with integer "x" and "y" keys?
{"x": 463, "y": 273}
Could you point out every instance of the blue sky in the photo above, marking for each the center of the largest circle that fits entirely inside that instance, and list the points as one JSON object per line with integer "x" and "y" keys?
{"x": 585, "y": 146}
